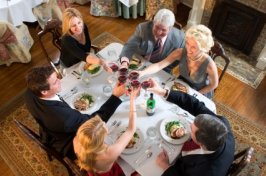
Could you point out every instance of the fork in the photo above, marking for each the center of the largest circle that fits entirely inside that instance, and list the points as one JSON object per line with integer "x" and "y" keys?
{"x": 69, "y": 94}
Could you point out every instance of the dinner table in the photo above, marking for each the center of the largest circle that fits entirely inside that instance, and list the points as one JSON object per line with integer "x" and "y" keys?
{"x": 17, "y": 11}
{"x": 151, "y": 134}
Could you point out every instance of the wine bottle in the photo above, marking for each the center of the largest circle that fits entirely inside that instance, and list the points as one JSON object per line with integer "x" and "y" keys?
{"x": 150, "y": 105}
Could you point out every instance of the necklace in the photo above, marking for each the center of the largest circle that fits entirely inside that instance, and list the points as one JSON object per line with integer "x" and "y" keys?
{"x": 196, "y": 58}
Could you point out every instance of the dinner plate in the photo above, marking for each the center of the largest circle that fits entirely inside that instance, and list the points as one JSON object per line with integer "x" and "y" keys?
{"x": 142, "y": 62}
{"x": 171, "y": 83}
{"x": 139, "y": 142}
{"x": 167, "y": 137}
{"x": 78, "y": 96}
{"x": 81, "y": 69}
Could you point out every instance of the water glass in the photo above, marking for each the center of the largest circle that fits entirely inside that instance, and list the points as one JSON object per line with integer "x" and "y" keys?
{"x": 85, "y": 77}
{"x": 107, "y": 90}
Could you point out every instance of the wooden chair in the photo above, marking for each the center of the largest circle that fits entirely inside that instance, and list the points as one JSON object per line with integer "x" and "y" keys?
{"x": 178, "y": 25}
{"x": 71, "y": 167}
{"x": 218, "y": 51}
{"x": 238, "y": 163}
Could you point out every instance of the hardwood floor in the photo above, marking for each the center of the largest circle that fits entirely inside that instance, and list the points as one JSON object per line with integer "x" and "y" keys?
{"x": 242, "y": 98}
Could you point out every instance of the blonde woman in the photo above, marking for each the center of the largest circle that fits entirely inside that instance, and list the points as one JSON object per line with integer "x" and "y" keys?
{"x": 76, "y": 43}
{"x": 196, "y": 67}
{"x": 94, "y": 155}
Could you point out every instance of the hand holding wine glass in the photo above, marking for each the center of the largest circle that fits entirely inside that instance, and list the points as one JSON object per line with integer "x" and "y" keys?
{"x": 145, "y": 85}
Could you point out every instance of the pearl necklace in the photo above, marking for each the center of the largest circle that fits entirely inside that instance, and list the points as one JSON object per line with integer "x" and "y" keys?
{"x": 196, "y": 58}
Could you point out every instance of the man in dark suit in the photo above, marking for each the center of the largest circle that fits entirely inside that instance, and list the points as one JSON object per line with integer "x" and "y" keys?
{"x": 147, "y": 34}
{"x": 58, "y": 121}
{"x": 212, "y": 146}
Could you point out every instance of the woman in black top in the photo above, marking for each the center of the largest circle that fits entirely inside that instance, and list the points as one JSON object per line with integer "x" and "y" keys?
{"x": 76, "y": 43}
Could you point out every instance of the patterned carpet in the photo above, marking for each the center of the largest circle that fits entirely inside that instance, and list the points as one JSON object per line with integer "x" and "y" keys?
{"x": 242, "y": 67}
{"x": 26, "y": 158}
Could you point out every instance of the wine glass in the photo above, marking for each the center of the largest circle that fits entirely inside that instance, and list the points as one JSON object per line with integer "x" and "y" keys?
{"x": 145, "y": 84}
{"x": 133, "y": 75}
{"x": 85, "y": 77}
{"x": 122, "y": 79}
{"x": 123, "y": 71}
{"x": 112, "y": 78}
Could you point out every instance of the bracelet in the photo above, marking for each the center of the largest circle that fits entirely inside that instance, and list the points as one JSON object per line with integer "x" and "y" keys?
{"x": 166, "y": 93}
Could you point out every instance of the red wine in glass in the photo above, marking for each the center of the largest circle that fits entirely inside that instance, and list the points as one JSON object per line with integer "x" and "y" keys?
{"x": 135, "y": 84}
{"x": 133, "y": 75}
{"x": 114, "y": 67}
{"x": 122, "y": 79}
{"x": 123, "y": 71}
{"x": 145, "y": 85}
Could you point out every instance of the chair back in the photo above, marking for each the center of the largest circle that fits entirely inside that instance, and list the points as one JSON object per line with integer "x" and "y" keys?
{"x": 241, "y": 159}
{"x": 218, "y": 50}
{"x": 72, "y": 168}
{"x": 53, "y": 26}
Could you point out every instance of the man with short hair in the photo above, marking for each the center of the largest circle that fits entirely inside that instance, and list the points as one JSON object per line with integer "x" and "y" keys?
{"x": 155, "y": 40}
{"x": 211, "y": 150}
{"x": 58, "y": 121}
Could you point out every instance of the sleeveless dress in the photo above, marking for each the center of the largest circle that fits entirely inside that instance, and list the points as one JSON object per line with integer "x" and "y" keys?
{"x": 199, "y": 79}
{"x": 114, "y": 171}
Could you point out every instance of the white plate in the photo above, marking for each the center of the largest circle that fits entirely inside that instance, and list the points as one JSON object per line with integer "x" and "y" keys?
{"x": 168, "y": 138}
{"x": 81, "y": 69}
{"x": 171, "y": 83}
{"x": 139, "y": 142}
{"x": 142, "y": 61}
{"x": 78, "y": 95}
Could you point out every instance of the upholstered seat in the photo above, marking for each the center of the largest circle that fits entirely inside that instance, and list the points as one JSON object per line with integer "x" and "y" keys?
{"x": 47, "y": 10}
{"x": 15, "y": 43}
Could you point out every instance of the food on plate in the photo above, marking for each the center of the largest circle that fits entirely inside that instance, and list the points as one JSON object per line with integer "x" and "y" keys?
{"x": 134, "y": 63}
{"x": 175, "y": 129}
{"x": 132, "y": 141}
{"x": 83, "y": 102}
{"x": 92, "y": 68}
{"x": 179, "y": 87}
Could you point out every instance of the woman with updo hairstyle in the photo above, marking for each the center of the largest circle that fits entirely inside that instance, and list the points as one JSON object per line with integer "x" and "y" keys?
{"x": 94, "y": 155}
{"x": 76, "y": 43}
{"x": 196, "y": 67}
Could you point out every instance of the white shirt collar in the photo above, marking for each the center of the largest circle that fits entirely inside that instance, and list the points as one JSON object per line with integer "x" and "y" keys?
{"x": 54, "y": 98}
{"x": 199, "y": 151}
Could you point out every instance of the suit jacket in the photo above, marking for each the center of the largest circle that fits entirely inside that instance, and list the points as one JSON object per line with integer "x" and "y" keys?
{"x": 214, "y": 164}
{"x": 59, "y": 122}
{"x": 143, "y": 41}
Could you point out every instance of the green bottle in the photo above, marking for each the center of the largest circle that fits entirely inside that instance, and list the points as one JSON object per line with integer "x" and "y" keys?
{"x": 150, "y": 105}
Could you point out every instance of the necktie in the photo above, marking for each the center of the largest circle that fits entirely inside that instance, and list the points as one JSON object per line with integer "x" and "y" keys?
{"x": 156, "y": 51}
{"x": 190, "y": 145}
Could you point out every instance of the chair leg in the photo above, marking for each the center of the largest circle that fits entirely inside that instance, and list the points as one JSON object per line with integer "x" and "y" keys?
{"x": 50, "y": 158}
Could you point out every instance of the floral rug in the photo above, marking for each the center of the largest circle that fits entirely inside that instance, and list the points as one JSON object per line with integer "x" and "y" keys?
{"x": 242, "y": 67}
{"x": 26, "y": 158}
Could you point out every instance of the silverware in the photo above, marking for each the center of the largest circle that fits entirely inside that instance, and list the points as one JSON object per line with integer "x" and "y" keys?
{"x": 69, "y": 94}
{"x": 77, "y": 76}
{"x": 164, "y": 83}
{"x": 141, "y": 157}
{"x": 114, "y": 125}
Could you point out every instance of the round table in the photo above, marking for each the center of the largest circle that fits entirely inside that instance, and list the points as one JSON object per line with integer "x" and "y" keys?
{"x": 17, "y": 11}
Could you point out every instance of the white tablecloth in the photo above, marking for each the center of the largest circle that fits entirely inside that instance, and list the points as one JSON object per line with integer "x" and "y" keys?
{"x": 17, "y": 11}
{"x": 164, "y": 110}
{"x": 129, "y": 3}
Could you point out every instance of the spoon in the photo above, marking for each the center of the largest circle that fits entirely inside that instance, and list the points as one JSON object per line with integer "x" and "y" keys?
{"x": 148, "y": 155}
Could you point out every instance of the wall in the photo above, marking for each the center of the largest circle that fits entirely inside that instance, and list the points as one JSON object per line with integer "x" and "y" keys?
{"x": 259, "y": 5}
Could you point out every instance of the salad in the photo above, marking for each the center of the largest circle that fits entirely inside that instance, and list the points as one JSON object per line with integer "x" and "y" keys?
{"x": 175, "y": 129}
